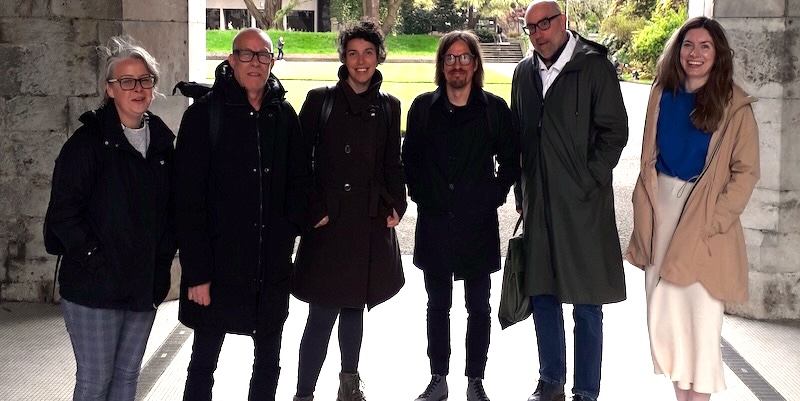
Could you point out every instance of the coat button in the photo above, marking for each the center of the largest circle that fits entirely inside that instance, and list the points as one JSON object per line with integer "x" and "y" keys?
{"x": 452, "y": 186}
{"x": 266, "y": 170}
{"x": 270, "y": 115}
{"x": 347, "y": 149}
{"x": 347, "y": 187}
{"x": 451, "y": 214}
{"x": 255, "y": 170}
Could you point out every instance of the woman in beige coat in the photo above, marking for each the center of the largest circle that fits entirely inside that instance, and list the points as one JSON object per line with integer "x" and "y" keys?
{"x": 699, "y": 165}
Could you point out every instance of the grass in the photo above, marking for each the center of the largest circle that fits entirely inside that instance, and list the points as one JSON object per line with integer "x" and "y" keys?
{"x": 403, "y": 80}
{"x": 325, "y": 42}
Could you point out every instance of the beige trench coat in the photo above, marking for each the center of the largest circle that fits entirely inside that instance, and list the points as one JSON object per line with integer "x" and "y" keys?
{"x": 708, "y": 244}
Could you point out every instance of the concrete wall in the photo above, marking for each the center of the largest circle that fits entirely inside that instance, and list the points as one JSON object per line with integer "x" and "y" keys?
{"x": 50, "y": 75}
{"x": 764, "y": 36}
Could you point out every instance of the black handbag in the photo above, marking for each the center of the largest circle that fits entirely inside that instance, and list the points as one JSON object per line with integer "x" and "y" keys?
{"x": 515, "y": 304}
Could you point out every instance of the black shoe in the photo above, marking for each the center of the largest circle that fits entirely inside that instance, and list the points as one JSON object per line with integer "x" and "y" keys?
{"x": 475, "y": 390}
{"x": 547, "y": 392}
{"x": 436, "y": 390}
{"x": 581, "y": 398}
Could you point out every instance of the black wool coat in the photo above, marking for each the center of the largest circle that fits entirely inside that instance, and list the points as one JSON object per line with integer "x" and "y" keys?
{"x": 239, "y": 203}
{"x": 354, "y": 260}
{"x": 109, "y": 209}
{"x": 571, "y": 141}
{"x": 449, "y": 160}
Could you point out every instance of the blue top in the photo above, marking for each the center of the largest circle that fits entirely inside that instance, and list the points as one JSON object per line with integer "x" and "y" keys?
{"x": 682, "y": 147}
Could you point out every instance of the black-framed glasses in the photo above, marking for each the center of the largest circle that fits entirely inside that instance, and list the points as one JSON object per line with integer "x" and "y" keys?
{"x": 464, "y": 58}
{"x": 127, "y": 84}
{"x": 542, "y": 25}
{"x": 246, "y": 56}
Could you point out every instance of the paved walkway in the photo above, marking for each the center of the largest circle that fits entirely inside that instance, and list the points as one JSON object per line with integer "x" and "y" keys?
{"x": 762, "y": 358}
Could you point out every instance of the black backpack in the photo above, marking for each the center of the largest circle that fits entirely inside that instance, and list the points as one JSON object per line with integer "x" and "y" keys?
{"x": 214, "y": 100}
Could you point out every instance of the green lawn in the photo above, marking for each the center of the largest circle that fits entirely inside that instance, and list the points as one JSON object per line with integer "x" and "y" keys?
{"x": 325, "y": 42}
{"x": 403, "y": 80}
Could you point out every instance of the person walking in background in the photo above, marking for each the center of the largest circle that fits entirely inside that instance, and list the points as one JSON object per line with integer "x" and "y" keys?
{"x": 454, "y": 136}
{"x": 109, "y": 216}
{"x": 699, "y": 165}
{"x": 281, "y": 43}
{"x": 568, "y": 105}
{"x": 239, "y": 193}
{"x": 350, "y": 257}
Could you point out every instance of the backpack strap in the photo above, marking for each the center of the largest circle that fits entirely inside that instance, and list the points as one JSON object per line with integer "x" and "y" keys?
{"x": 324, "y": 114}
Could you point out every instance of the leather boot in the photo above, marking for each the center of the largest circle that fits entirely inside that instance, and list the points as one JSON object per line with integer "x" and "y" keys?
{"x": 350, "y": 387}
{"x": 436, "y": 390}
{"x": 475, "y": 390}
{"x": 309, "y": 398}
{"x": 547, "y": 392}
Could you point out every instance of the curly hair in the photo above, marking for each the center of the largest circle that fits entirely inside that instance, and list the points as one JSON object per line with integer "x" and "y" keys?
{"x": 366, "y": 30}
{"x": 121, "y": 48}
{"x": 712, "y": 97}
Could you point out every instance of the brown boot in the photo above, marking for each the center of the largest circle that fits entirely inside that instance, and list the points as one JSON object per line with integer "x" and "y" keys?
{"x": 350, "y": 387}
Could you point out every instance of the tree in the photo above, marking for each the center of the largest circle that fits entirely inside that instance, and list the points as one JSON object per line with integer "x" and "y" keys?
{"x": 371, "y": 10}
{"x": 587, "y": 14}
{"x": 392, "y": 9}
{"x": 265, "y": 17}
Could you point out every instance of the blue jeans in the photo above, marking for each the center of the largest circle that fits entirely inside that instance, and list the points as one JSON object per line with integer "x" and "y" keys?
{"x": 109, "y": 346}
{"x": 548, "y": 318}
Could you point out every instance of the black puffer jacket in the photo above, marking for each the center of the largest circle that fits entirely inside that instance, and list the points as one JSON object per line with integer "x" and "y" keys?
{"x": 109, "y": 209}
{"x": 239, "y": 204}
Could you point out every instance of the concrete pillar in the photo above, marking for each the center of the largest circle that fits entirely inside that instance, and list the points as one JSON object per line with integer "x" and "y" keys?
{"x": 764, "y": 36}
{"x": 50, "y": 76}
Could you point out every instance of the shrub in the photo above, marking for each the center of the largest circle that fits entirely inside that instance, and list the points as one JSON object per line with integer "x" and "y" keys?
{"x": 485, "y": 35}
{"x": 649, "y": 42}
{"x": 415, "y": 20}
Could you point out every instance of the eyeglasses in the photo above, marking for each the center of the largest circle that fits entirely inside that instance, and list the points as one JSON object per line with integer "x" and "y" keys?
{"x": 464, "y": 59}
{"x": 542, "y": 25}
{"x": 127, "y": 84}
{"x": 246, "y": 56}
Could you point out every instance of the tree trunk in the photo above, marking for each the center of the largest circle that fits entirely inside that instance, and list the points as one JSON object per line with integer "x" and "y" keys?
{"x": 266, "y": 17}
{"x": 471, "y": 17}
{"x": 392, "y": 8}
{"x": 371, "y": 9}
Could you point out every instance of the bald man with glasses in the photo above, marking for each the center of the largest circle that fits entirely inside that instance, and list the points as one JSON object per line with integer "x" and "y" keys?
{"x": 239, "y": 196}
{"x": 566, "y": 102}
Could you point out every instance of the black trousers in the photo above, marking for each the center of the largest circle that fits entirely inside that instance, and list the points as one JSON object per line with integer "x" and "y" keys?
{"x": 440, "y": 300}
{"x": 205, "y": 353}
{"x": 207, "y": 344}
{"x": 317, "y": 335}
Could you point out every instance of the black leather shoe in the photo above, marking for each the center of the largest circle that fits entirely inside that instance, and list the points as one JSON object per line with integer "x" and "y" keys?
{"x": 547, "y": 392}
{"x": 581, "y": 398}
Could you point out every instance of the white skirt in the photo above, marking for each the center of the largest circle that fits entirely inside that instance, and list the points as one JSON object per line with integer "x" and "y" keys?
{"x": 684, "y": 323}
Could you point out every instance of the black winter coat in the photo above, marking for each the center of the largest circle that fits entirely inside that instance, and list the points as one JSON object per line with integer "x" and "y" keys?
{"x": 571, "y": 141}
{"x": 239, "y": 204}
{"x": 109, "y": 210}
{"x": 354, "y": 260}
{"x": 449, "y": 161}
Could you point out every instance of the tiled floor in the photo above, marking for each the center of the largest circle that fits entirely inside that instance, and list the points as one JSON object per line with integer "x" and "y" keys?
{"x": 36, "y": 358}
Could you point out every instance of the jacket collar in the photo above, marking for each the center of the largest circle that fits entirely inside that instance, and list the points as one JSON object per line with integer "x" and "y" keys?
{"x": 106, "y": 120}
{"x": 475, "y": 95}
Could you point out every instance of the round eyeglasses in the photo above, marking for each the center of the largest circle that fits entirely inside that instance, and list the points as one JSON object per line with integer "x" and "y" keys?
{"x": 246, "y": 56}
{"x": 542, "y": 25}
{"x": 127, "y": 84}
{"x": 464, "y": 59}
